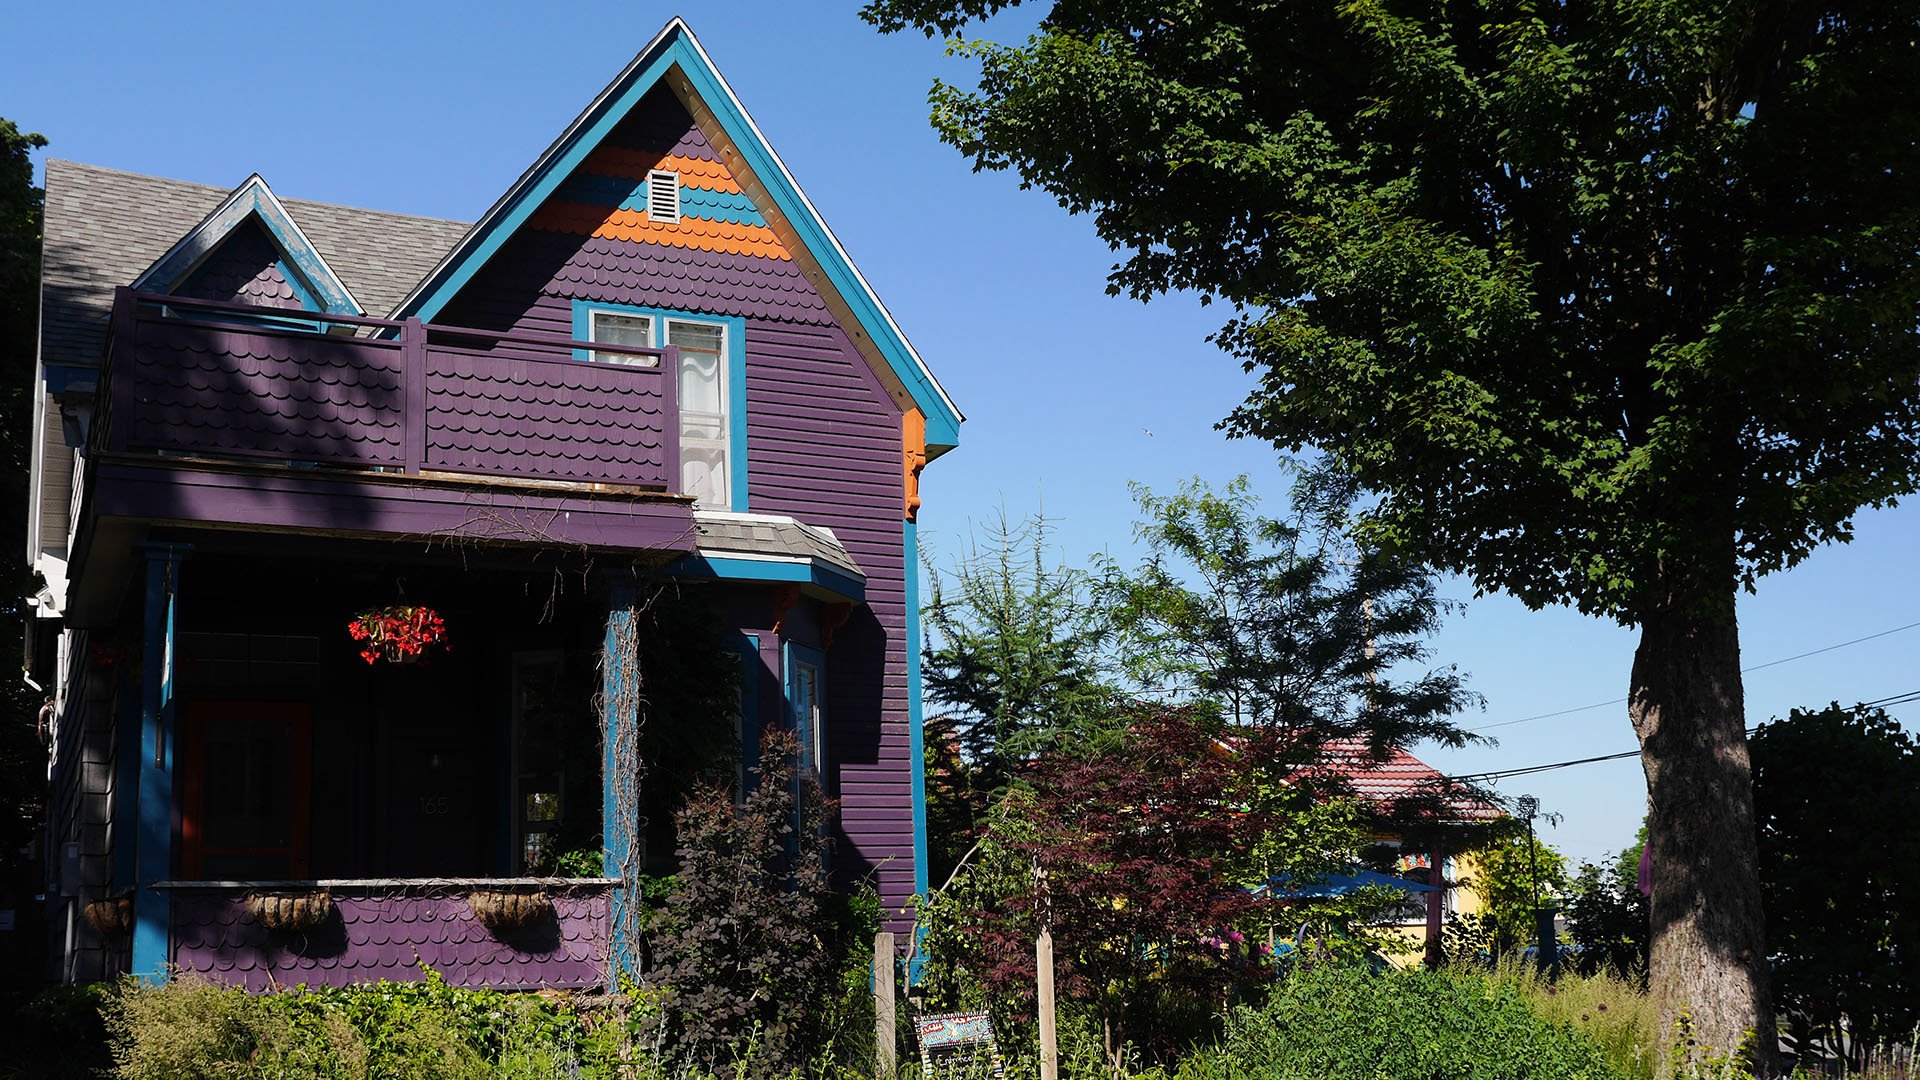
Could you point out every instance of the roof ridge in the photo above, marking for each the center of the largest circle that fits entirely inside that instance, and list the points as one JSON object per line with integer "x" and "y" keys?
{"x": 228, "y": 189}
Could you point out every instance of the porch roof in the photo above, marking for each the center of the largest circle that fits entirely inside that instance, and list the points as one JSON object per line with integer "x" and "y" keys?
{"x": 772, "y": 547}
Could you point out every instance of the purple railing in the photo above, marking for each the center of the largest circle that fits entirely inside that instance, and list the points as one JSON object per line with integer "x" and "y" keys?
{"x": 205, "y": 379}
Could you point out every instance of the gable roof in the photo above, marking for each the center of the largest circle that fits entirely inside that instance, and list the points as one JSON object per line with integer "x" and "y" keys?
{"x": 105, "y": 227}
{"x": 1402, "y": 777}
{"x": 674, "y": 57}
{"x": 253, "y": 200}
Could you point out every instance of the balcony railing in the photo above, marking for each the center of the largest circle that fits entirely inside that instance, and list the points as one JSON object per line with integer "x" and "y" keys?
{"x": 191, "y": 378}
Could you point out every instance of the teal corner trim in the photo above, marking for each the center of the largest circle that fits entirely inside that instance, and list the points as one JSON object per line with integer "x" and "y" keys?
{"x": 152, "y": 908}
{"x": 623, "y": 953}
{"x": 675, "y": 48}
{"x": 736, "y": 333}
{"x": 916, "y": 735}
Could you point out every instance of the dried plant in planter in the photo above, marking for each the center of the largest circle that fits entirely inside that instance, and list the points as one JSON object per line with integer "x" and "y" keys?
{"x": 110, "y": 918}
{"x": 290, "y": 912}
{"x": 499, "y": 910}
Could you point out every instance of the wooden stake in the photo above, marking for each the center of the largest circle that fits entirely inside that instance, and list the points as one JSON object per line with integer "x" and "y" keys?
{"x": 1043, "y": 967}
{"x": 886, "y": 1061}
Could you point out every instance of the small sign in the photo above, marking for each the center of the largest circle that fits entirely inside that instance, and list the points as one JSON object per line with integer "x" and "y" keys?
{"x": 6, "y": 918}
{"x": 957, "y": 1045}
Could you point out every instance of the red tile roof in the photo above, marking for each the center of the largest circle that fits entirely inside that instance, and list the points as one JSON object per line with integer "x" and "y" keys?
{"x": 1402, "y": 776}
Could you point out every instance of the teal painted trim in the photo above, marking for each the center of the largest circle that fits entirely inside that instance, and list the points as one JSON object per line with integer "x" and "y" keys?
{"x": 152, "y": 909}
{"x": 253, "y": 201}
{"x": 736, "y": 332}
{"x": 499, "y": 229}
{"x": 916, "y": 737}
{"x": 793, "y": 652}
{"x": 675, "y": 48}
{"x": 617, "y": 845}
{"x": 723, "y": 568}
{"x": 943, "y": 424}
{"x": 301, "y": 291}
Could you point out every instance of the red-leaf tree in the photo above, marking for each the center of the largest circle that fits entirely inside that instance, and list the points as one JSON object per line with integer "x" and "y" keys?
{"x": 1135, "y": 848}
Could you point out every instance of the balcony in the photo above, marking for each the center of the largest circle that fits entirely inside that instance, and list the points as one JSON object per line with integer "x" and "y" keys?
{"x": 237, "y": 417}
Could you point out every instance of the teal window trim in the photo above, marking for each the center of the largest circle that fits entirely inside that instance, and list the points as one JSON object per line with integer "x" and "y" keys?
{"x": 736, "y": 332}
{"x": 812, "y": 750}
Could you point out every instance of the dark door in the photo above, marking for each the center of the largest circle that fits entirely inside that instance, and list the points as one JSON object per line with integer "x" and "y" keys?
{"x": 247, "y": 767}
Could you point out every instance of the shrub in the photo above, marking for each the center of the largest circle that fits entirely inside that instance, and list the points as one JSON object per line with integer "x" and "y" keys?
{"x": 378, "y": 1031}
{"x": 1611, "y": 1009}
{"x": 744, "y": 950}
{"x": 59, "y": 1034}
{"x": 1410, "y": 1025}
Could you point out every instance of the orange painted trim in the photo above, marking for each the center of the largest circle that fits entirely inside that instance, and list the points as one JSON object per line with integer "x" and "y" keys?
{"x": 580, "y": 219}
{"x": 636, "y": 164}
{"x": 913, "y": 457}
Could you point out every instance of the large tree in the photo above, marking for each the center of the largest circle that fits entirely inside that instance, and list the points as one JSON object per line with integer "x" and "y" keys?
{"x": 1612, "y": 304}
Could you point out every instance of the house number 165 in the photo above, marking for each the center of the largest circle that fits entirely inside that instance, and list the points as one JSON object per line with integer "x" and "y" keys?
{"x": 433, "y": 805}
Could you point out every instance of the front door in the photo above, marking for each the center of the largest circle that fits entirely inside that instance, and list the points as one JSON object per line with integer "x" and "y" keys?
{"x": 247, "y": 772}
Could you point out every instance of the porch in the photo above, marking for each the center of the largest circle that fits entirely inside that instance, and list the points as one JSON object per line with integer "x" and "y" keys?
{"x": 261, "y": 757}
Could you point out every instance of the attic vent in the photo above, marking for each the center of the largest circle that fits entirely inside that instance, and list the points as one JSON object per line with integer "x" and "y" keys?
{"x": 663, "y": 196}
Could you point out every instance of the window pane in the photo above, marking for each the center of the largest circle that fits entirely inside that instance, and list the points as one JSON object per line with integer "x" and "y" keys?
{"x": 702, "y": 336}
{"x": 700, "y": 383}
{"x": 703, "y": 474}
{"x": 636, "y": 330}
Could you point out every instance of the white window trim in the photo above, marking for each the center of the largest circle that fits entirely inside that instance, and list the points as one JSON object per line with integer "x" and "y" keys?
{"x": 593, "y": 335}
{"x": 661, "y": 182}
{"x": 725, "y": 383}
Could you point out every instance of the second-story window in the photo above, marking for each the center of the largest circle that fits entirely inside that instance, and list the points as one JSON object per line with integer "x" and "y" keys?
{"x": 614, "y": 329}
{"x": 705, "y": 429}
{"x": 706, "y": 423}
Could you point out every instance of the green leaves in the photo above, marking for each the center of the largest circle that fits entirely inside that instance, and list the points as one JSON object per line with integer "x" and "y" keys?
{"x": 1613, "y": 305}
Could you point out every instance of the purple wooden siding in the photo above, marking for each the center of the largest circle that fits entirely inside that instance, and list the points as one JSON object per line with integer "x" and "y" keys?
{"x": 544, "y": 418}
{"x": 823, "y": 445}
{"x": 244, "y": 269}
{"x": 195, "y": 388}
{"x": 386, "y": 934}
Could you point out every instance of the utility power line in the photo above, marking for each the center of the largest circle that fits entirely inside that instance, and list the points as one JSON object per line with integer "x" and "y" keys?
{"x": 1743, "y": 671}
{"x": 1528, "y": 770}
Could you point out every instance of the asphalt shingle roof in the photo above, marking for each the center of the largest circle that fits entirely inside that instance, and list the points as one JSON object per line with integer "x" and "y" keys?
{"x": 105, "y": 227}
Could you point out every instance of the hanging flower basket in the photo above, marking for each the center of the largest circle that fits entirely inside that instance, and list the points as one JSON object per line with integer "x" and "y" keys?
{"x": 399, "y": 634}
{"x": 505, "y": 911}
{"x": 294, "y": 913}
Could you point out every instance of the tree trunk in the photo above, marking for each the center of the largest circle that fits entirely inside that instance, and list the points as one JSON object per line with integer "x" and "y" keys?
{"x": 1709, "y": 958}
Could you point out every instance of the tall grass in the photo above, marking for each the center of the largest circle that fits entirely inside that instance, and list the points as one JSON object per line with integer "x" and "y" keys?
{"x": 1608, "y": 1008}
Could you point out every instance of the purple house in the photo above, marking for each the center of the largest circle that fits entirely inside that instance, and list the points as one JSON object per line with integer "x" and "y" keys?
{"x": 648, "y": 369}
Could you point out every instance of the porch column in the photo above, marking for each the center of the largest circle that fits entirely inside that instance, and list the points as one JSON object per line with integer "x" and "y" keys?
{"x": 1436, "y": 902}
{"x": 620, "y": 776}
{"x": 153, "y": 861}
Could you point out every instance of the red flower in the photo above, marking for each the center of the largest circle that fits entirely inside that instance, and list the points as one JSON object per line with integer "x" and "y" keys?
{"x": 400, "y": 632}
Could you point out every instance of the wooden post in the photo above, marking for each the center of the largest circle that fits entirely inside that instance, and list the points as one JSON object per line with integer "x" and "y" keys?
{"x": 1043, "y": 967}
{"x": 886, "y": 1063}
{"x": 1436, "y": 904}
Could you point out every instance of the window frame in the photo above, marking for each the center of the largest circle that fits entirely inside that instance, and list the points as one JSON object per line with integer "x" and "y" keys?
{"x": 733, "y": 375}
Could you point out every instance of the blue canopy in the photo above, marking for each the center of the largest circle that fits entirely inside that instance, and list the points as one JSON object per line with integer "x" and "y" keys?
{"x": 1281, "y": 886}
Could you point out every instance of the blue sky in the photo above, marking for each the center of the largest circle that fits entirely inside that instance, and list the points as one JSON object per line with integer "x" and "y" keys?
{"x": 436, "y": 108}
